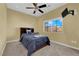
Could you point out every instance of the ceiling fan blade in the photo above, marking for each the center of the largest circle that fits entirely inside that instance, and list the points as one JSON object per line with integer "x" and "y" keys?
{"x": 42, "y": 6}
{"x": 34, "y": 12}
{"x": 30, "y": 8}
{"x": 41, "y": 11}
{"x": 35, "y": 4}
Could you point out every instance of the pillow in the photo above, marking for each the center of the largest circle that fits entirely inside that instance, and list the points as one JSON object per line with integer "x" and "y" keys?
{"x": 28, "y": 32}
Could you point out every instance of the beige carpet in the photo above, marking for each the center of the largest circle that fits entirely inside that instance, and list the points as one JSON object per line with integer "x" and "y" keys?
{"x": 17, "y": 49}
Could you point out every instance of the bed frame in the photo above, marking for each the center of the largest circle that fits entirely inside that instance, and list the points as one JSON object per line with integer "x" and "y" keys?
{"x": 24, "y": 30}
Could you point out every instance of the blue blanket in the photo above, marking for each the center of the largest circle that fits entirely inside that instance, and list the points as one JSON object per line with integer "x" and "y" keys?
{"x": 32, "y": 43}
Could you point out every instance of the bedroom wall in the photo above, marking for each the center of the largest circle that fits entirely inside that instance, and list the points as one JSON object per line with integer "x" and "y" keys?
{"x": 17, "y": 20}
{"x": 3, "y": 20}
{"x": 70, "y": 36}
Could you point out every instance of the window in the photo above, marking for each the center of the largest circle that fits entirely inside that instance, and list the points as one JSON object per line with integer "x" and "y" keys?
{"x": 54, "y": 25}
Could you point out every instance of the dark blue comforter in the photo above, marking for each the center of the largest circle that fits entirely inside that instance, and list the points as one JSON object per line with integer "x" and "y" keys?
{"x": 33, "y": 43}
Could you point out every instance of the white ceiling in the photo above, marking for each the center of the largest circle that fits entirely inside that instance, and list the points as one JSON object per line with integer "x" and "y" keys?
{"x": 21, "y": 7}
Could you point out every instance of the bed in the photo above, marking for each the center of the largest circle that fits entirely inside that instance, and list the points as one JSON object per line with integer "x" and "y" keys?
{"x": 33, "y": 41}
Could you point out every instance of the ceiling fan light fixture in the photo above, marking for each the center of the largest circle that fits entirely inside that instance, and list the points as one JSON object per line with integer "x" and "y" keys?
{"x": 37, "y": 7}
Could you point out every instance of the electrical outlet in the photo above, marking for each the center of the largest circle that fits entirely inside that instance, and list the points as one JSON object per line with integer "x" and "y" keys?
{"x": 73, "y": 41}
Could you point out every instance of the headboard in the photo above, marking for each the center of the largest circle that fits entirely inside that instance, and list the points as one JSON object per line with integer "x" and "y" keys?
{"x": 24, "y": 30}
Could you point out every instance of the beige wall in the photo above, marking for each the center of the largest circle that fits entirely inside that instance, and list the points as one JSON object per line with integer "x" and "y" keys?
{"x": 70, "y": 24}
{"x": 3, "y": 17}
{"x": 16, "y": 20}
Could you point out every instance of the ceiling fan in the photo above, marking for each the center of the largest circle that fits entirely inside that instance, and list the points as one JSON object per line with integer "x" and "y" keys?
{"x": 37, "y": 8}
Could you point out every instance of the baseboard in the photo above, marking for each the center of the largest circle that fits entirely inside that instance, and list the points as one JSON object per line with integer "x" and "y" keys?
{"x": 13, "y": 41}
{"x": 3, "y": 49}
{"x": 66, "y": 45}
